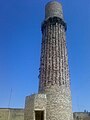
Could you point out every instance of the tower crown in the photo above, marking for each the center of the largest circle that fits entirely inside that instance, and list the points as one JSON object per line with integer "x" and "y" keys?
{"x": 53, "y": 9}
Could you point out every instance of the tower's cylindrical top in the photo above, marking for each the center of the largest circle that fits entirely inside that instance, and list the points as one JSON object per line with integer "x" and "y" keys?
{"x": 53, "y": 9}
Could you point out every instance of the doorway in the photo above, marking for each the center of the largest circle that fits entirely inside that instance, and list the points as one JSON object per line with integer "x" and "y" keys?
{"x": 39, "y": 115}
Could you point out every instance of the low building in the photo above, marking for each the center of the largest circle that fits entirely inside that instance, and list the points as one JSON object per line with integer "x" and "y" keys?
{"x": 11, "y": 114}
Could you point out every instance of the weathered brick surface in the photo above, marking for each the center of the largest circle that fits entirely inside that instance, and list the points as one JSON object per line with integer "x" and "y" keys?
{"x": 58, "y": 103}
{"x": 53, "y": 9}
{"x": 54, "y": 60}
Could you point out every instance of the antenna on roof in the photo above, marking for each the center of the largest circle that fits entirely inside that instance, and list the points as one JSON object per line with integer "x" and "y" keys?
{"x": 78, "y": 105}
{"x": 10, "y": 98}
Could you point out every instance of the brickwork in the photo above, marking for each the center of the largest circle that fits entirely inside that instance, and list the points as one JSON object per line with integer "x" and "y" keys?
{"x": 54, "y": 61}
{"x": 58, "y": 103}
{"x": 53, "y": 9}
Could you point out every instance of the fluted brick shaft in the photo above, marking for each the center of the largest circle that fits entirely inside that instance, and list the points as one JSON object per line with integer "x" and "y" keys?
{"x": 54, "y": 60}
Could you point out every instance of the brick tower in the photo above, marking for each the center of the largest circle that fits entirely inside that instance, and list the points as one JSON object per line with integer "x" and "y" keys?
{"x": 53, "y": 101}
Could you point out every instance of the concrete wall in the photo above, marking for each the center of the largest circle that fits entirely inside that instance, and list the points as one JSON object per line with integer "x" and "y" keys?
{"x": 11, "y": 114}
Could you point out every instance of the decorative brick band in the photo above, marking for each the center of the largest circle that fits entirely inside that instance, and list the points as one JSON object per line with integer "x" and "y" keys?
{"x": 53, "y": 20}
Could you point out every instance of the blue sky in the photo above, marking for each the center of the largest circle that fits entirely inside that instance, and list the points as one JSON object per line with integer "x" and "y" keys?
{"x": 20, "y": 45}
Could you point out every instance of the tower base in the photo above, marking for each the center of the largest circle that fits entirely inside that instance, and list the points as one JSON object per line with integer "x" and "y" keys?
{"x": 52, "y": 104}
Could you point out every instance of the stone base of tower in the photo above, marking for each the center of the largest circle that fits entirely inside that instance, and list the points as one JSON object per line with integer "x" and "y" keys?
{"x": 59, "y": 106}
{"x": 52, "y": 104}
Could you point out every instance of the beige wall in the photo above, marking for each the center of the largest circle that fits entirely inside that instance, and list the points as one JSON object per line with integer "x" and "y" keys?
{"x": 81, "y": 115}
{"x": 11, "y": 114}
